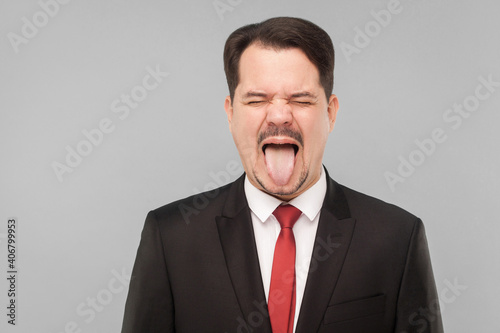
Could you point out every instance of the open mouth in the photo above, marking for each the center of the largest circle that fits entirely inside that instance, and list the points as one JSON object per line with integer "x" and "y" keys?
{"x": 280, "y": 161}
{"x": 281, "y": 145}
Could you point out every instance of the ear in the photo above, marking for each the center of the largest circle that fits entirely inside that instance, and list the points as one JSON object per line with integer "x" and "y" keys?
{"x": 333, "y": 107}
{"x": 228, "y": 106}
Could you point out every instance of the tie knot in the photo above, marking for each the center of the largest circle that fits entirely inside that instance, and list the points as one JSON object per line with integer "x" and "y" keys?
{"x": 287, "y": 215}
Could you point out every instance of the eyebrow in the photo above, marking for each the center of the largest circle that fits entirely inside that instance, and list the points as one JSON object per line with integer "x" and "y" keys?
{"x": 254, "y": 94}
{"x": 295, "y": 95}
{"x": 303, "y": 94}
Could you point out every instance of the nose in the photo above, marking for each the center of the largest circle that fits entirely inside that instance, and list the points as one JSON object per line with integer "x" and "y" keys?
{"x": 279, "y": 112}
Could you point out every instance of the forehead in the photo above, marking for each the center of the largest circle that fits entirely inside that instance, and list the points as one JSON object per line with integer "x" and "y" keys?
{"x": 272, "y": 70}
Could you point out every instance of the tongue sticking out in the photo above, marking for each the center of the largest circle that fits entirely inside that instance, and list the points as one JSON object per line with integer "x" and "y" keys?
{"x": 280, "y": 160}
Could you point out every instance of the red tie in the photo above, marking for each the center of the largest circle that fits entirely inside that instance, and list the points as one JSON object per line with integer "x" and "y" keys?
{"x": 281, "y": 302}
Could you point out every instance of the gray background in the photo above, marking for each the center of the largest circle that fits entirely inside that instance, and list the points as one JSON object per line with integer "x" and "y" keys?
{"x": 75, "y": 235}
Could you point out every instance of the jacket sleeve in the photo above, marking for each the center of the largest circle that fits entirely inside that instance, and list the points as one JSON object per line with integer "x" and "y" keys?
{"x": 418, "y": 303}
{"x": 149, "y": 307}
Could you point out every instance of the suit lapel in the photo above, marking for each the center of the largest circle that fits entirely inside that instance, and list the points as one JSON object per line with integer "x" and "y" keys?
{"x": 238, "y": 244}
{"x": 332, "y": 242}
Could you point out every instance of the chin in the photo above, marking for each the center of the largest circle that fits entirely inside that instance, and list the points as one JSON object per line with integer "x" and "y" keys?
{"x": 293, "y": 187}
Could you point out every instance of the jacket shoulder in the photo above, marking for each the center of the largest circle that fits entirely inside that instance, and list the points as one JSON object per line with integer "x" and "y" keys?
{"x": 193, "y": 208}
{"x": 363, "y": 206}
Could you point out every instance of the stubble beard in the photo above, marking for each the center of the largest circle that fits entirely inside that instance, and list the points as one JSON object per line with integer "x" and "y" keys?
{"x": 298, "y": 184}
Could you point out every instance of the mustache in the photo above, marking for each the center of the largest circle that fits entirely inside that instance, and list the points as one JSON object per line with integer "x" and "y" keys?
{"x": 280, "y": 131}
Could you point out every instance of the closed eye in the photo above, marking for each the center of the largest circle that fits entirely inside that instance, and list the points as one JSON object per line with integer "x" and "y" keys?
{"x": 303, "y": 102}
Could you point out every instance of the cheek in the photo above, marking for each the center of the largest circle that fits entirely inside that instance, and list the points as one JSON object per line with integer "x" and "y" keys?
{"x": 247, "y": 126}
{"x": 245, "y": 134}
{"x": 315, "y": 133}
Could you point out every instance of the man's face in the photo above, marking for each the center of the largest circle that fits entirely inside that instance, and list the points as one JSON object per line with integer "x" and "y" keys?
{"x": 280, "y": 119}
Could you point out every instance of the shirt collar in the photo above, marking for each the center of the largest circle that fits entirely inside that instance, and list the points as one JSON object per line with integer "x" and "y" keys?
{"x": 309, "y": 202}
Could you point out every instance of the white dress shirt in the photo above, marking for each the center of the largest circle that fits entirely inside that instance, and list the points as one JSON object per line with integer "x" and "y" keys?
{"x": 267, "y": 228}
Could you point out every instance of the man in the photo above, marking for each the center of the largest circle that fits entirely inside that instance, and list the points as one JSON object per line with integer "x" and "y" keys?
{"x": 284, "y": 248}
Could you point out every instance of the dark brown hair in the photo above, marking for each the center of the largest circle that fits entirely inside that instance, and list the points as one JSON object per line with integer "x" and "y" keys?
{"x": 282, "y": 33}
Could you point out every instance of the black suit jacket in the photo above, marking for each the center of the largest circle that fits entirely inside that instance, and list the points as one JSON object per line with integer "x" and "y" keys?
{"x": 197, "y": 269}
